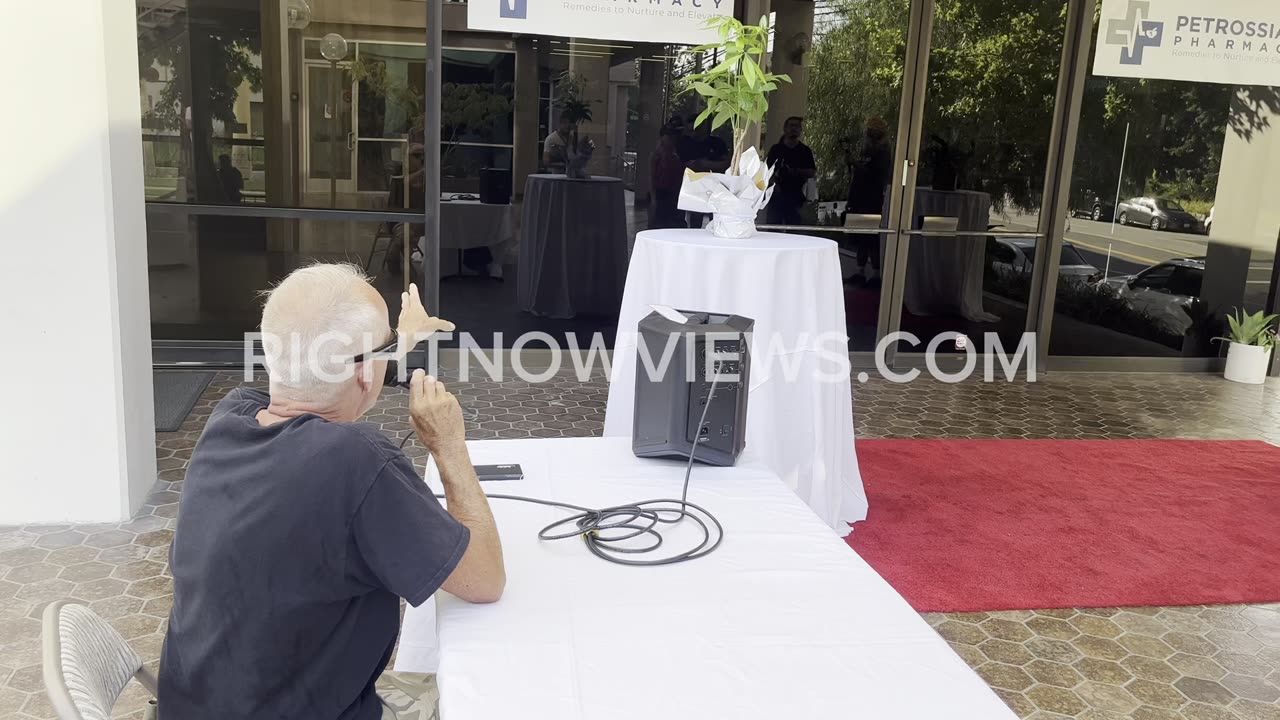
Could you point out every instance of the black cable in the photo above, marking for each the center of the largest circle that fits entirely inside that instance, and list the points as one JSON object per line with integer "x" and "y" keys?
{"x": 603, "y": 530}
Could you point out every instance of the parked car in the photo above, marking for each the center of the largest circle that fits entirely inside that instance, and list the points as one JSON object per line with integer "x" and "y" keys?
{"x": 1018, "y": 255}
{"x": 1164, "y": 290}
{"x": 1158, "y": 214}
{"x": 1102, "y": 211}
{"x": 1208, "y": 222}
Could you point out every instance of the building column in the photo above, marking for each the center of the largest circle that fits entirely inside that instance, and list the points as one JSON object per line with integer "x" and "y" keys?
{"x": 1246, "y": 218}
{"x": 792, "y": 41}
{"x": 78, "y": 438}
{"x": 528, "y": 150}
{"x": 652, "y": 79}
{"x": 592, "y": 65}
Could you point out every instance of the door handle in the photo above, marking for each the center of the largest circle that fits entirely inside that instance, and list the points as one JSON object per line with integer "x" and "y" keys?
{"x": 351, "y": 141}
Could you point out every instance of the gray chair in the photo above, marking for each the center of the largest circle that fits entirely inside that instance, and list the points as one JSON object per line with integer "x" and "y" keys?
{"x": 87, "y": 663}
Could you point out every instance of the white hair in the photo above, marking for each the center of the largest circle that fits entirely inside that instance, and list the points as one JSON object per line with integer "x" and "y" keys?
{"x": 313, "y": 323}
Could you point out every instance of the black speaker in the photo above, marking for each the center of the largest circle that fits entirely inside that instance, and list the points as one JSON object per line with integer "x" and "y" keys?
{"x": 670, "y": 399}
{"x": 495, "y": 186}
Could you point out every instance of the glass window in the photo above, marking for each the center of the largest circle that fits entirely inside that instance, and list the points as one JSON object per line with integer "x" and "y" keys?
{"x": 1156, "y": 278}
{"x": 1177, "y": 150}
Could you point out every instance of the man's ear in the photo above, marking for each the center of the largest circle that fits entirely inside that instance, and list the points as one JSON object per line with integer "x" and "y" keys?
{"x": 364, "y": 375}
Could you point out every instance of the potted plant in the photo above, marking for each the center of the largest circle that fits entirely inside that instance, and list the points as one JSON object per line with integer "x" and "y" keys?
{"x": 574, "y": 107}
{"x": 736, "y": 92}
{"x": 1252, "y": 339}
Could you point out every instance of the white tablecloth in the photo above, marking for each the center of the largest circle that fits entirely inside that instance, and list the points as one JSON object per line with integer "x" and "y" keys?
{"x": 944, "y": 274}
{"x": 798, "y": 425}
{"x": 467, "y": 224}
{"x": 783, "y": 621}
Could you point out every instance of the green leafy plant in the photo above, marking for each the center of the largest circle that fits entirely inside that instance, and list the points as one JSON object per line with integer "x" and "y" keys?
{"x": 1256, "y": 329}
{"x": 571, "y": 98}
{"x": 736, "y": 90}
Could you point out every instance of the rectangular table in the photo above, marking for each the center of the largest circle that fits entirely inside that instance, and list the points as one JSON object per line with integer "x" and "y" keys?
{"x": 783, "y": 621}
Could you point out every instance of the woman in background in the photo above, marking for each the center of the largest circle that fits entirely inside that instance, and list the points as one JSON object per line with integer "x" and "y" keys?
{"x": 667, "y": 171}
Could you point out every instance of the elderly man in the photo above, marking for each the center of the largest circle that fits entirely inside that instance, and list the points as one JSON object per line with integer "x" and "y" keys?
{"x": 300, "y": 529}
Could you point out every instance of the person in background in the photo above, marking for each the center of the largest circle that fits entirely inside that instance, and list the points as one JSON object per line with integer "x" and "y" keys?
{"x": 555, "y": 148}
{"x": 685, "y": 145}
{"x": 667, "y": 170}
{"x": 870, "y": 172}
{"x": 231, "y": 179}
{"x": 300, "y": 528}
{"x": 870, "y": 169}
{"x": 794, "y": 166}
{"x": 706, "y": 153}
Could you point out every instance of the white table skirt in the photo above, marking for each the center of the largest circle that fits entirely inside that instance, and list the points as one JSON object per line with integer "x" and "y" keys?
{"x": 945, "y": 274}
{"x": 798, "y": 425}
{"x": 782, "y": 621}
{"x": 467, "y": 224}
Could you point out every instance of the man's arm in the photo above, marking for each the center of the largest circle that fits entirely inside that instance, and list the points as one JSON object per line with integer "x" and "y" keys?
{"x": 810, "y": 167}
{"x": 480, "y": 576}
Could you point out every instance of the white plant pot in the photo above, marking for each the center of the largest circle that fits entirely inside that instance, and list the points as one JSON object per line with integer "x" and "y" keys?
{"x": 1247, "y": 364}
{"x": 732, "y": 200}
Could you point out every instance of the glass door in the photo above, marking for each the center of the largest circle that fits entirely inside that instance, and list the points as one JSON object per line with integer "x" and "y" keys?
{"x": 330, "y": 131}
{"x": 837, "y": 137}
{"x": 974, "y": 175}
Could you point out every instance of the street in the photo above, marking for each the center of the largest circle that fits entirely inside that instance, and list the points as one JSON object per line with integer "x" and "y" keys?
{"x": 1133, "y": 249}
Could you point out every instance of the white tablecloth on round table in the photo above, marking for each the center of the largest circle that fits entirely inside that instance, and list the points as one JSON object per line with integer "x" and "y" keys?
{"x": 467, "y": 224}
{"x": 797, "y": 425}
{"x": 944, "y": 274}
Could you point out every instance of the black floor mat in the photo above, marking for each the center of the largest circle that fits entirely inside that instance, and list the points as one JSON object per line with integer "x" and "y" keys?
{"x": 175, "y": 394}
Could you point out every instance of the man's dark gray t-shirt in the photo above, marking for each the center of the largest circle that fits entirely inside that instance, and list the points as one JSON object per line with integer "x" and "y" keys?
{"x": 294, "y": 544}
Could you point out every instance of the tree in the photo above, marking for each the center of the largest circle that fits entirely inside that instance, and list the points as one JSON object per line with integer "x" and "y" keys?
{"x": 737, "y": 89}
{"x": 993, "y": 75}
{"x": 208, "y": 65}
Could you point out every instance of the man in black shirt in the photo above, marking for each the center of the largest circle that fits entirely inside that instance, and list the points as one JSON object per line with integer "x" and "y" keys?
{"x": 793, "y": 166}
{"x": 300, "y": 529}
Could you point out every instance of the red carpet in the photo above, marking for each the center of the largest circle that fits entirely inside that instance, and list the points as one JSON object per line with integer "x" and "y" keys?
{"x": 969, "y": 525}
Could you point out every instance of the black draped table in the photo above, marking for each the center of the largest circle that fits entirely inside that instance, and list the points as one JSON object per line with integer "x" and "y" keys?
{"x": 573, "y": 246}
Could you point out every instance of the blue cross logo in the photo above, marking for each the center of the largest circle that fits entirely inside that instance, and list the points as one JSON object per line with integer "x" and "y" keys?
{"x": 1134, "y": 33}
{"x": 514, "y": 9}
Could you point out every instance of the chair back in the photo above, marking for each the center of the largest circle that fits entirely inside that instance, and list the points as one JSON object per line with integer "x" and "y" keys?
{"x": 86, "y": 663}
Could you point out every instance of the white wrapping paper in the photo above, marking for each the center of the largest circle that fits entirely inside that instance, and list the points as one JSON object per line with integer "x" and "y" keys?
{"x": 732, "y": 200}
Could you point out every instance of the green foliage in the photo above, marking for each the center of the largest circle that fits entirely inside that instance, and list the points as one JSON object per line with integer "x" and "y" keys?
{"x": 992, "y": 84}
{"x": 230, "y": 63}
{"x": 737, "y": 89}
{"x": 372, "y": 74}
{"x": 1256, "y": 329}
{"x": 855, "y": 73}
{"x": 571, "y": 97}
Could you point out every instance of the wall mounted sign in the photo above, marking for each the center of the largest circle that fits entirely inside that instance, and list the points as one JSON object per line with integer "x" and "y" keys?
{"x": 676, "y": 22}
{"x": 1235, "y": 42}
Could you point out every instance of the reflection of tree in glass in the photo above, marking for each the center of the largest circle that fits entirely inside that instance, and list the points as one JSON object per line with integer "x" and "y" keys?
{"x": 373, "y": 79}
{"x": 226, "y": 61}
{"x": 468, "y": 111}
{"x": 993, "y": 76}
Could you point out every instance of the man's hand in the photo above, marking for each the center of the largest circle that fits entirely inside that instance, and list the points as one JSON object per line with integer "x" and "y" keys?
{"x": 415, "y": 325}
{"x": 435, "y": 414}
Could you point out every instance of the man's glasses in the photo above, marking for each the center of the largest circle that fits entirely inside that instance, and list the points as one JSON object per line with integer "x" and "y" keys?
{"x": 392, "y": 378}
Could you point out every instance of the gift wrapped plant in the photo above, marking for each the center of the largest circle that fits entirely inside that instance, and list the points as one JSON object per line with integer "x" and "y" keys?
{"x": 736, "y": 91}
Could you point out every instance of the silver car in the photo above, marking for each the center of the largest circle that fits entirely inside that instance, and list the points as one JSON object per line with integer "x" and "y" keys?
{"x": 1017, "y": 255}
{"x": 1157, "y": 214}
